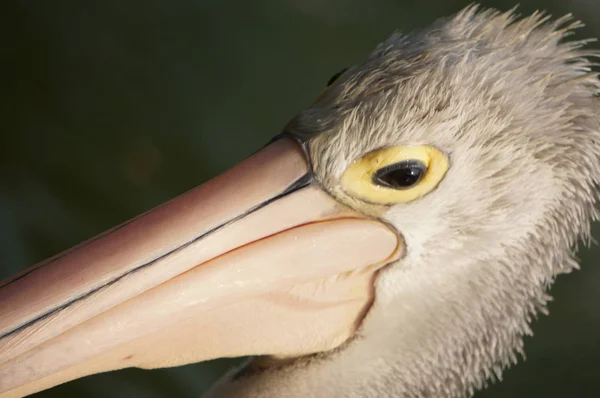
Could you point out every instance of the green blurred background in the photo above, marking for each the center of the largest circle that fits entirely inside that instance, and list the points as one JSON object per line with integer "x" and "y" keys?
{"x": 110, "y": 108}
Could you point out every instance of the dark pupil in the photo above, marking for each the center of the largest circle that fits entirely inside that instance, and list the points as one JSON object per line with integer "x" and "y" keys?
{"x": 333, "y": 78}
{"x": 400, "y": 175}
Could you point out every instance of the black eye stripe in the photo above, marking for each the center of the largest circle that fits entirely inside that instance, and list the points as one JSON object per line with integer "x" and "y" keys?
{"x": 401, "y": 175}
{"x": 333, "y": 78}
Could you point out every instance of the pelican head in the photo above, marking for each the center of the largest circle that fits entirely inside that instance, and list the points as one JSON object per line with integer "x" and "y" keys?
{"x": 397, "y": 239}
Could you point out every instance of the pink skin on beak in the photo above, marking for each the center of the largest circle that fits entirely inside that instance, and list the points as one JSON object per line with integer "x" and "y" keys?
{"x": 256, "y": 261}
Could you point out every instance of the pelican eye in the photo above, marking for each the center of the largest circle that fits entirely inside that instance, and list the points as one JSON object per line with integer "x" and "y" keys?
{"x": 401, "y": 175}
{"x": 393, "y": 175}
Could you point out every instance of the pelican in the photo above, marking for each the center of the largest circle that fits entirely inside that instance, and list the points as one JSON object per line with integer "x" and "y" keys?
{"x": 396, "y": 239}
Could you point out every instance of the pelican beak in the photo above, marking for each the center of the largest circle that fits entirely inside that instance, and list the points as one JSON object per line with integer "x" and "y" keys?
{"x": 256, "y": 261}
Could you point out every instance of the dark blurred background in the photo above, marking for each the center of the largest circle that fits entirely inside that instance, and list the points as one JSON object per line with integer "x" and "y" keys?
{"x": 110, "y": 108}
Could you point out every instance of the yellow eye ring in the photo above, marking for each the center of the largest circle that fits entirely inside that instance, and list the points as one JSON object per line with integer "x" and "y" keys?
{"x": 360, "y": 180}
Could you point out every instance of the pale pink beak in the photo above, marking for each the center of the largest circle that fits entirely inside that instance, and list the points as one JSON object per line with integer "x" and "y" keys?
{"x": 259, "y": 260}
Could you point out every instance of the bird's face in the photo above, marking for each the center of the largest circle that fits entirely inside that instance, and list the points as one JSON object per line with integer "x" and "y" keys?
{"x": 501, "y": 120}
{"x": 423, "y": 202}
{"x": 488, "y": 131}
